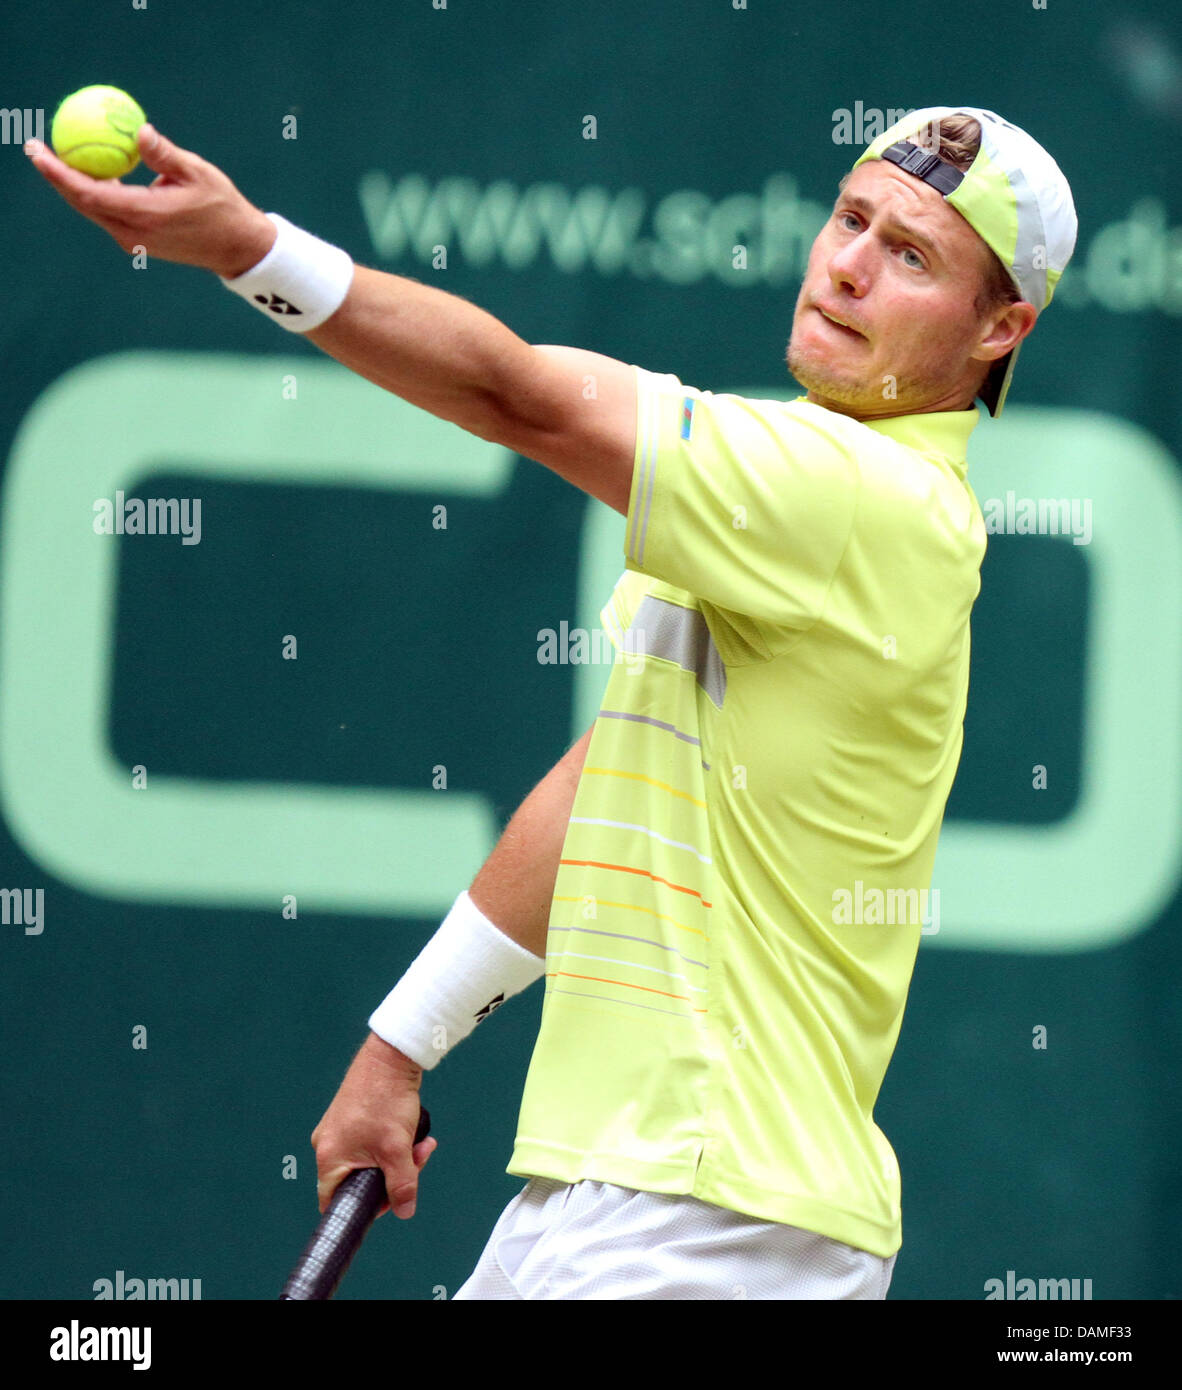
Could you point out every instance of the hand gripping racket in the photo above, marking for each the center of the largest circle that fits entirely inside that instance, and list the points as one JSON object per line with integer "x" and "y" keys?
{"x": 341, "y": 1230}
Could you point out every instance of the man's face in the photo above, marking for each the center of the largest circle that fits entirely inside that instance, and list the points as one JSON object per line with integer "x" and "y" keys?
{"x": 902, "y": 269}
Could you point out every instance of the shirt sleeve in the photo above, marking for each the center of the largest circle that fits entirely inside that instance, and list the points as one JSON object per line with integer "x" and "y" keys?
{"x": 745, "y": 503}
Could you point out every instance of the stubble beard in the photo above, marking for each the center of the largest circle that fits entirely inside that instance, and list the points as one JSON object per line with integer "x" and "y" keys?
{"x": 815, "y": 376}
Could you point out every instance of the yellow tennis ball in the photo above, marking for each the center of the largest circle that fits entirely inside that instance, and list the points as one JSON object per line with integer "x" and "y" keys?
{"x": 94, "y": 130}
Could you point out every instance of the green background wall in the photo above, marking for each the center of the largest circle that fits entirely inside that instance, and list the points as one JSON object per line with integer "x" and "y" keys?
{"x": 418, "y": 647}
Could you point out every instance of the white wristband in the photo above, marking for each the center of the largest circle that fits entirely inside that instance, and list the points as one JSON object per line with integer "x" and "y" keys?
{"x": 467, "y": 969}
{"x": 301, "y": 280}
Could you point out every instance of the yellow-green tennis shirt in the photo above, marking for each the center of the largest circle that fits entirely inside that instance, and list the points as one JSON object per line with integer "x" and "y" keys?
{"x": 744, "y": 878}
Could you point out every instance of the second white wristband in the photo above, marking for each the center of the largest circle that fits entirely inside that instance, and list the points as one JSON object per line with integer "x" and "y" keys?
{"x": 466, "y": 971}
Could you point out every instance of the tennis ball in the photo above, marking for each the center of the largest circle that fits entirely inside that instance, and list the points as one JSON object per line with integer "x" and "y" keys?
{"x": 94, "y": 130}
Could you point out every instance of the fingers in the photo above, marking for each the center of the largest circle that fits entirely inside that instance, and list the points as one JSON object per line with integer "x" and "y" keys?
{"x": 162, "y": 156}
{"x": 190, "y": 213}
{"x": 423, "y": 1150}
{"x": 401, "y": 1187}
{"x": 96, "y": 198}
{"x": 93, "y": 198}
{"x": 402, "y": 1192}
{"x": 401, "y": 1183}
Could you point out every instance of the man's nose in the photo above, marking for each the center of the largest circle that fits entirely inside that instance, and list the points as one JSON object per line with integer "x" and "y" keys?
{"x": 849, "y": 266}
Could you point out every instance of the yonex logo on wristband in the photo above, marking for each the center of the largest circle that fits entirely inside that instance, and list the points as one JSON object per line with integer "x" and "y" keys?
{"x": 490, "y": 1006}
{"x": 276, "y": 304}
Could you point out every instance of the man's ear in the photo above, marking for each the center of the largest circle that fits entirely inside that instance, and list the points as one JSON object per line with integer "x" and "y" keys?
{"x": 1009, "y": 328}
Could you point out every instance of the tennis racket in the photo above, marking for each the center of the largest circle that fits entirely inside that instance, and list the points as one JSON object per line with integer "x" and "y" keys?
{"x": 341, "y": 1230}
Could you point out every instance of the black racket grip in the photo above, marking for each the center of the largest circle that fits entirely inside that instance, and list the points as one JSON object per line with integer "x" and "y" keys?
{"x": 326, "y": 1257}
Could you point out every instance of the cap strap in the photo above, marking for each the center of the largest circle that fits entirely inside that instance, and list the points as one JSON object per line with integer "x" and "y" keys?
{"x": 924, "y": 165}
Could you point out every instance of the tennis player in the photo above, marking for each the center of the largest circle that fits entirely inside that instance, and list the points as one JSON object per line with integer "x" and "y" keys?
{"x": 776, "y": 742}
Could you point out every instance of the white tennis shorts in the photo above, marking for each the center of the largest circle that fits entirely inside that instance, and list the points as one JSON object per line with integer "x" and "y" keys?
{"x": 596, "y": 1240}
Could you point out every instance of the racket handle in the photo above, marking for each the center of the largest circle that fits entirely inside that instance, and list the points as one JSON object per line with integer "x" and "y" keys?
{"x": 341, "y": 1230}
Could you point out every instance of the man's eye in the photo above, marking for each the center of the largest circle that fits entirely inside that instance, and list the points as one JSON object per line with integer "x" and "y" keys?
{"x": 918, "y": 262}
{"x": 848, "y": 217}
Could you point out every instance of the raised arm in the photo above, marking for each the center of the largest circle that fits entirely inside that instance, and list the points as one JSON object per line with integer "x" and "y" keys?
{"x": 571, "y": 410}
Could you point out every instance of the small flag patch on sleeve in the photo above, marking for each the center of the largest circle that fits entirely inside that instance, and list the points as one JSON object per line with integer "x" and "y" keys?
{"x": 687, "y": 416}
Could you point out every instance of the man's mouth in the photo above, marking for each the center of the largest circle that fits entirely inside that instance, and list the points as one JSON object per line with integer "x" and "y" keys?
{"x": 838, "y": 323}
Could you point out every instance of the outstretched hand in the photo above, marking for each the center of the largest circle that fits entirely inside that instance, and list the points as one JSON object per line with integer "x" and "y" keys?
{"x": 190, "y": 213}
